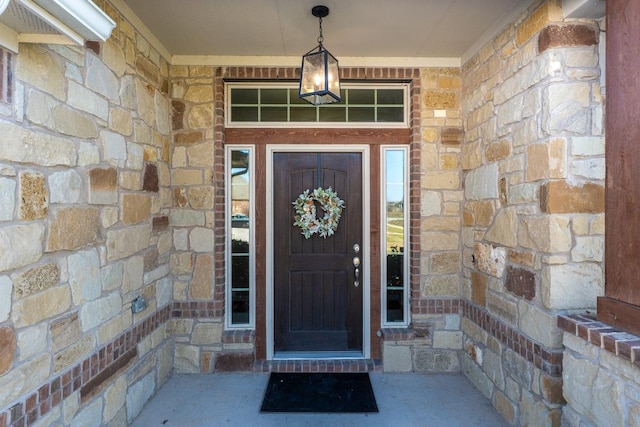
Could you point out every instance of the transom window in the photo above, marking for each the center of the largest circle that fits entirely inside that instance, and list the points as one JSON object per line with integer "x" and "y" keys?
{"x": 273, "y": 104}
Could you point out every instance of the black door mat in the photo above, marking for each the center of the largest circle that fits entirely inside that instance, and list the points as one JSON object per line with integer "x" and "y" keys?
{"x": 319, "y": 392}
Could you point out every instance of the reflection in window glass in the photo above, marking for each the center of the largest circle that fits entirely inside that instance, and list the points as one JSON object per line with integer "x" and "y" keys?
{"x": 244, "y": 96}
{"x": 273, "y": 114}
{"x": 362, "y": 114}
{"x": 362, "y": 97}
{"x": 239, "y": 273}
{"x": 395, "y": 236}
{"x": 303, "y": 114}
{"x": 333, "y": 114}
{"x": 390, "y": 114}
{"x": 391, "y": 96}
{"x": 274, "y": 96}
{"x": 245, "y": 114}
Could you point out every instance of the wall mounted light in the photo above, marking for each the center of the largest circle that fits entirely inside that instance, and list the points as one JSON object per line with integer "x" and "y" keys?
{"x": 319, "y": 75}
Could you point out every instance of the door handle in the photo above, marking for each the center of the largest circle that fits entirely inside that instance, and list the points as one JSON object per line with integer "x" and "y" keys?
{"x": 356, "y": 264}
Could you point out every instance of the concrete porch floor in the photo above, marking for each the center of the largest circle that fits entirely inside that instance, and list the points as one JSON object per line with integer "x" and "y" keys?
{"x": 234, "y": 399}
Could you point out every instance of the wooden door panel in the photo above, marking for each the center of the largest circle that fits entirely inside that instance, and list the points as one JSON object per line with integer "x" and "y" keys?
{"x": 317, "y": 300}
{"x": 316, "y": 305}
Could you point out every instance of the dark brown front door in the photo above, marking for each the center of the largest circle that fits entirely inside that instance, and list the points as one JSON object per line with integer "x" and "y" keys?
{"x": 317, "y": 306}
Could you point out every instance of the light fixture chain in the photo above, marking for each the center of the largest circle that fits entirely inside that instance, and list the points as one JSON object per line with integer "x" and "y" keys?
{"x": 320, "y": 37}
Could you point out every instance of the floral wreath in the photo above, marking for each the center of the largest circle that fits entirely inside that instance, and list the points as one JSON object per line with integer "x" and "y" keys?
{"x": 305, "y": 207}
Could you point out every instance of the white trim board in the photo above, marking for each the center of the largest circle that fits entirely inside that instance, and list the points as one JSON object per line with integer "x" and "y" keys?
{"x": 295, "y": 61}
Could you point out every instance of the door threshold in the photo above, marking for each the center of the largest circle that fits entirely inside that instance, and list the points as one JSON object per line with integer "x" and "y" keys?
{"x": 317, "y": 355}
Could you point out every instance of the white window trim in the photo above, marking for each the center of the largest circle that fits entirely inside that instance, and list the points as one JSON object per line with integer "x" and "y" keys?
{"x": 252, "y": 249}
{"x": 293, "y": 85}
{"x": 383, "y": 244}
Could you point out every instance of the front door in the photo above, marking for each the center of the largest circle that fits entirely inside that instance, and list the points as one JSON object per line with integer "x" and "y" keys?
{"x": 318, "y": 301}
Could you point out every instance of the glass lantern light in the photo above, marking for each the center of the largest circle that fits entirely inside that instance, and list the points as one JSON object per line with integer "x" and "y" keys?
{"x": 319, "y": 75}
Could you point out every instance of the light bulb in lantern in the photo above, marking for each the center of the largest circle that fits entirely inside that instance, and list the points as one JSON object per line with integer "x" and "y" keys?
{"x": 317, "y": 79}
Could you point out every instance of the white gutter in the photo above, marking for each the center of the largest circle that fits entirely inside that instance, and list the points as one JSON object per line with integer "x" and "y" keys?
{"x": 45, "y": 21}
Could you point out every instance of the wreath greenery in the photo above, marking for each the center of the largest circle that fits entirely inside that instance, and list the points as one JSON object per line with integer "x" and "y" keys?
{"x": 305, "y": 207}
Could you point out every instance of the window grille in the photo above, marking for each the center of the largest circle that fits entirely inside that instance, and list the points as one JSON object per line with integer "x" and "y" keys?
{"x": 278, "y": 105}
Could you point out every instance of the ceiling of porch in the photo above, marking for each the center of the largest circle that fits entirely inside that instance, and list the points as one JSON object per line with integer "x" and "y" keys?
{"x": 353, "y": 29}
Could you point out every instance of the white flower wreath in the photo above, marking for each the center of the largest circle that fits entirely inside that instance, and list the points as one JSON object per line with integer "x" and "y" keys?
{"x": 305, "y": 208}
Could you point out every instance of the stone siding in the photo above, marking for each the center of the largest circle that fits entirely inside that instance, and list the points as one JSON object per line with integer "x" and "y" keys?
{"x": 433, "y": 341}
{"x": 198, "y": 246}
{"x": 440, "y": 189}
{"x": 601, "y": 374}
{"x": 533, "y": 214}
{"x": 85, "y": 189}
{"x": 431, "y": 344}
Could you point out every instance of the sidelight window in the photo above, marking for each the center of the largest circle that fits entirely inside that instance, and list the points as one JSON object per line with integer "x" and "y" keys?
{"x": 395, "y": 237}
{"x": 240, "y": 237}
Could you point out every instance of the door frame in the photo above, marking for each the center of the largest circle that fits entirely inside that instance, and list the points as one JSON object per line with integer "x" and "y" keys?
{"x": 366, "y": 243}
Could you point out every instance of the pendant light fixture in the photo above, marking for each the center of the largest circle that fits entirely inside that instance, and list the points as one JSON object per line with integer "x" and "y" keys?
{"x": 319, "y": 75}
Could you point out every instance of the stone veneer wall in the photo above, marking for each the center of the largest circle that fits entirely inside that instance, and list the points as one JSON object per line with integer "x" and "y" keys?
{"x": 198, "y": 244}
{"x": 601, "y": 373}
{"x": 84, "y": 229}
{"x": 533, "y": 217}
{"x": 197, "y": 220}
{"x": 434, "y": 340}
